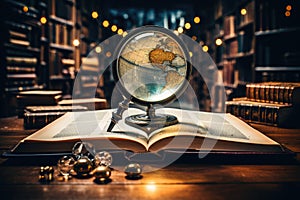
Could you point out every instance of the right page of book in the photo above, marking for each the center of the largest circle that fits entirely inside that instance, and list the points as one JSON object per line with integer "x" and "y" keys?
{"x": 218, "y": 127}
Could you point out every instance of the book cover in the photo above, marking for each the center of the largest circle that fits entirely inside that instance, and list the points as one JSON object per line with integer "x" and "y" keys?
{"x": 265, "y": 113}
{"x": 90, "y": 103}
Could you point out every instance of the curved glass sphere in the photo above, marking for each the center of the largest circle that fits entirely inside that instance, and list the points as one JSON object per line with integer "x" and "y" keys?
{"x": 152, "y": 66}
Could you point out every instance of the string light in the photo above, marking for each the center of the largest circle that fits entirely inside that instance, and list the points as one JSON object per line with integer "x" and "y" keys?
{"x": 105, "y": 23}
{"x": 43, "y": 20}
{"x": 124, "y": 33}
{"x": 176, "y": 32}
{"x": 76, "y": 42}
{"x": 25, "y": 9}
{"x": 288, "y": 7}
{"x": 114, "y": 28}
{"x": 98, "y": 49}
{"x": 287, "y": 13}
{"x": 108, "y": 54}
{"x": 120, "y": 31}
{"x": 187, "y": 25}
{"x": 94, "y": 14}
{"x": 180, "y": 30}
{"x": 197, "y": 20}
{"x": 243, "y": 11}
{"x": 219, "y": 42}
{"x": 194, "y": 38}
{"x": 191, "y": 54}
{"x": 205, "y": 48}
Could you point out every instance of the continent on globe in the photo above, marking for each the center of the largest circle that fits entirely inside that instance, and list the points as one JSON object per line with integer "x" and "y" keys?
{"x": 158, "y": 56}
{"x": 173, "y": 80}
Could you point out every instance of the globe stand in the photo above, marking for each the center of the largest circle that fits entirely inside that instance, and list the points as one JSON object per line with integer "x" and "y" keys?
{"x": 149, "y": 122}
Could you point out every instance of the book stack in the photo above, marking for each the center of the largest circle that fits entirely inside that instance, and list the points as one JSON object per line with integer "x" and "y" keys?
{"x": 37, "y": 98}
{"x": 90, "y": 103}
{"x": 38, "y": 116}
{"x": 269, "y": 103}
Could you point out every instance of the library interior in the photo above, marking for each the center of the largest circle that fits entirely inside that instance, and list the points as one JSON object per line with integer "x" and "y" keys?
{"x": 237, "y": 58}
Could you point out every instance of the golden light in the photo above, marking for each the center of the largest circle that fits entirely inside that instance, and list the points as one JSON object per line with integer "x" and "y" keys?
{"x": 105, "y": 23}
{"x": 287, "y": 13}
{"x": 180, "y": 30}
{"x": 124, "y": 33}
{"x": 205, "y": 48}
{"x": 288, "y": 7}
{"x": 98, "y": 49}
{"x": 76, "y": 42}
{"x": 194, "y": 38}
{"x": 191, "y": 54}
{"x": 120, "y": 31}
{"x": 95, "y": 14}
{"x": 114, "y": 28}
{"x": 187, "y": 25}
{"x": 243, "y": 11}
{"x": 176, "y": 32}
{"x": 197, "y": 20}
{"x": 151, "y": 187}
{"x": 108, "y": 54}
{"x": 43, "y": 20}
{"x": 25, "y": 9}
{"x": 219, "y": 42}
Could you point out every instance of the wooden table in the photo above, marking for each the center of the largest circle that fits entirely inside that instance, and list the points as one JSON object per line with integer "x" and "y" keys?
{"x": 217, "y": 180}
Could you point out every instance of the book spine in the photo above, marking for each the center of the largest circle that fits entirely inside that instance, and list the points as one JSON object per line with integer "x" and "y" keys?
{"x": 255, "y": 113}
{"x": 272, "y": 93}
{"x": 250, "y": 92}
{"x": 38, "y": 120}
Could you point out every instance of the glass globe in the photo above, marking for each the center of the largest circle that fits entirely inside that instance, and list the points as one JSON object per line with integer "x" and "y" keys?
{"x": 152, "y": 65}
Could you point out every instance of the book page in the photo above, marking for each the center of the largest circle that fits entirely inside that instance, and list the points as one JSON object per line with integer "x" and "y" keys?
{"x": 89, "y": 125}
{"x": 217, "y": 126}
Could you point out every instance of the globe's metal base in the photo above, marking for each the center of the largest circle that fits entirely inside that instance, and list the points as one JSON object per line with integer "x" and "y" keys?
{"x": 149, "y": 124}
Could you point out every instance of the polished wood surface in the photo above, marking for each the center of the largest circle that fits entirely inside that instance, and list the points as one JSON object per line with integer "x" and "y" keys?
{"x": 252, "y": 179}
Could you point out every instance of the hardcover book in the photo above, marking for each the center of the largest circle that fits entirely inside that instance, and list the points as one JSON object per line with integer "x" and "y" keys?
{"x": 264, "y": 113}
{"x": 194, "y": 131}
{"x": 274, "y": 92}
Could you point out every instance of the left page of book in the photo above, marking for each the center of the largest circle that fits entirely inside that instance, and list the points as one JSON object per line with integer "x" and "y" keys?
{"x": 89, "y": 126}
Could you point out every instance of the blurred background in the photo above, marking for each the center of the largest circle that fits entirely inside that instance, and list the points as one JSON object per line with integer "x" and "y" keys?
{"x": 43, "y": 43}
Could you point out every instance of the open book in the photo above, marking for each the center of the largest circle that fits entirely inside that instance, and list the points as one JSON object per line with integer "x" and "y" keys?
{"x": 197, "y": 131}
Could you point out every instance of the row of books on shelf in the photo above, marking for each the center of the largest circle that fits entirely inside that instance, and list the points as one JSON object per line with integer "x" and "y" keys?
{"x": 241, "y": 46}
{"x": 229, "y": 72}
{"x": 60, "y": 34}
{"x": 229, "y": 26}
{"x": 248, "y": 16}
{"x": 231, "y": 48}
{"x": 270, "y": 103}
{"x": 274, "y": 92}
{"x": 244, "y": 42}
{"x": 20, "y": 72}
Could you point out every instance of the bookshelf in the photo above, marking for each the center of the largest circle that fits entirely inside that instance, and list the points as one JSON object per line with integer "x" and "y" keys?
{"x": 255, "y": 41}
{"x": 22, "y": 50}
{"x": 62, "y": 32}
{"x": 276, "y": 33}
{"x": 43, "y": 44}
